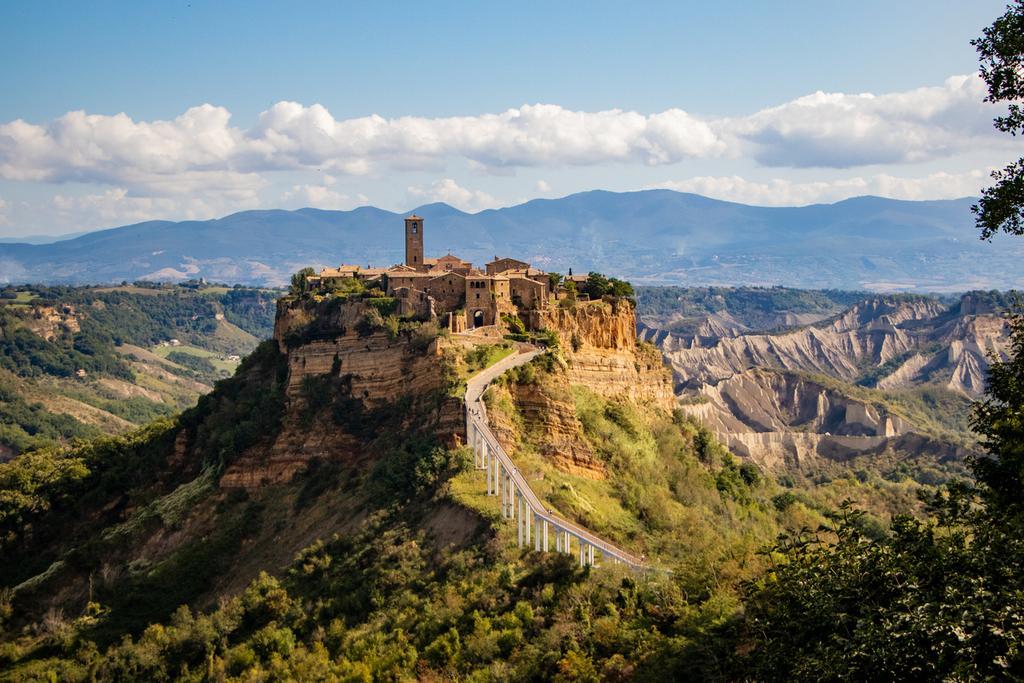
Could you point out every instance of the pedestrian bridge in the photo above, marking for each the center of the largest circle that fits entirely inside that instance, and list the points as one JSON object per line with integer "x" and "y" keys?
{"x": 535, "y": 524}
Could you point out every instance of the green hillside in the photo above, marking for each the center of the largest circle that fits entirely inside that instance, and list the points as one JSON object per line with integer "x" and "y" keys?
{"x": 77, "y": 362}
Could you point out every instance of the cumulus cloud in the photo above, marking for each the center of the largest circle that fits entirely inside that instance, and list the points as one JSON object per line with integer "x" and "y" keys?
{"x": 201, "y": 149}
{"x": 782, "y": 192}
{"x": 838, "y": 130}
{"x": 117, "y": 206}
{"x": 199, "y": 164}
{"x": 323, "y": 197}
{"x": 450, "y": 192}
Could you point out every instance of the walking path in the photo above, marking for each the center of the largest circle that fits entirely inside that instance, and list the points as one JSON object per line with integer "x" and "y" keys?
{"x": 518, "y": 501}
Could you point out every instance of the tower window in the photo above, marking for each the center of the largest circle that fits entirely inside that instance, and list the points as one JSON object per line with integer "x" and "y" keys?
{"x": 414, "y": 229}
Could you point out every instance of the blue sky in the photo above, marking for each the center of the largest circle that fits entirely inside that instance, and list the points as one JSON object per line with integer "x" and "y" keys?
{"x": 717, "y": 98}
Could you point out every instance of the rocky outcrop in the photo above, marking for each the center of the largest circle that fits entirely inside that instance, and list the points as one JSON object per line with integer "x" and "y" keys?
{"x": 761, "y": 400}
{"x": 785, "y": 421}
{"x": 50, "y": 322}
{"x": 911, "y": 341}
{"x": 548, "y": 414}
{"x": 329, "y": 349}
{"x": 601, "y": 352}
{"x": 599, "y": 341}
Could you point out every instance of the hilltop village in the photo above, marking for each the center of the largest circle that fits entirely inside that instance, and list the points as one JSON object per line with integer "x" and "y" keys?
{"x": 453, "y": 291}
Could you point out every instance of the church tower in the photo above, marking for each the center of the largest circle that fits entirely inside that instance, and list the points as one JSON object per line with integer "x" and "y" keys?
{"x": 414, "y": 241}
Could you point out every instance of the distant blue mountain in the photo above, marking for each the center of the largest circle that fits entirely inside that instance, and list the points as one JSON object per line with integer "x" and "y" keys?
{"x": 652, "y": 237}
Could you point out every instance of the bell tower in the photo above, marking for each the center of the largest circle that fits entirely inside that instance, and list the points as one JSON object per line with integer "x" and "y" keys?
{"x": 414, "y": 241}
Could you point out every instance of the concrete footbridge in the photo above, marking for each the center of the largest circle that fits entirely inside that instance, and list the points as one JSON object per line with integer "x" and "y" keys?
{"x": 535, "y": 523}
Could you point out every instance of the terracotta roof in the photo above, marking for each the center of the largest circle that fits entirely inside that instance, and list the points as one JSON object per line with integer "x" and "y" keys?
{"x": 409, "y": 273}
{"x": 435, "y": 276}
{"x": 340, "y": 271}
{"x": 448, "y": 258}
{"x": 414, "y": 217}
{"x": 524, "y": 272}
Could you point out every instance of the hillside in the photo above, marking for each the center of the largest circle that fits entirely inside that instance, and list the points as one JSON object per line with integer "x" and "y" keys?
{"x": 81, "y": 362}
{"x": 651, "y": 237}
{"x": 883, "y": 386}
{"x": 318, "y": 516}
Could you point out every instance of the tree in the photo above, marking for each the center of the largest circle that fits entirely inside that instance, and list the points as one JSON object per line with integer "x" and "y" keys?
{"x": 1001, "y": 49}
{"x": 299, "y": 280}
{"x": 554, "y": 279}
{"x": 999, "y": 420}
{"x": 596, "y": 286}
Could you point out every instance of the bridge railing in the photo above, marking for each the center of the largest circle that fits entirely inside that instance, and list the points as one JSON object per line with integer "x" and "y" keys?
{"x": 534, "y": 521}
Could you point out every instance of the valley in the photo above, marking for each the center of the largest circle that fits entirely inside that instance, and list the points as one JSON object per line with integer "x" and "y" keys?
{"x": 885, "y": 384}
{"x": 81, "y": 362}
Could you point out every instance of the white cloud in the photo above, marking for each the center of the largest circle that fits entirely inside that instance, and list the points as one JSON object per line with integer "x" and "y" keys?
{"x": 450, "y": 192}
{"x": 199, "y": 164}
{"x": 201, "y": 148}
{"x": 118, "y": 206}
{"x": 322, "y": 197}
{"x": 4, "y": 221}
{"x": 837, "y": 130}
{"x": 783, "y": 192}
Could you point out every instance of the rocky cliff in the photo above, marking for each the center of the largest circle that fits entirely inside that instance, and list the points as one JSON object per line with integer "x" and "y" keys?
{"x": 598, "y": 351}
{"x": 785, "y": 421}
{"x": 333, "y": 354}
{"x": 886, "y": 375}
{"x": 892, "y": 342}
{"x": 599, "y": 341}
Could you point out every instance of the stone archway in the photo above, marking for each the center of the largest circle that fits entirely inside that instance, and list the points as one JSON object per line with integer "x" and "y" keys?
{"x": 478, "y": 318}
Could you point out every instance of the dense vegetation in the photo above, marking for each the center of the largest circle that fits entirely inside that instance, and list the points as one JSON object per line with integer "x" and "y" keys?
{"x": 62, "y": 343}
{"x": 935, "y": 599}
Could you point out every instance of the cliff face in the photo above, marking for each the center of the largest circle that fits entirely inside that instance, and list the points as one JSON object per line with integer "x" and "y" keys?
{"x": 328, "y": 344}
{"x": 759, "y": 394}
{"x": 782, "y": 420}
{"x": 599, "y": 341}
{"x": 601, "y": 353}
{"x": 330, "y": 350}
{"x": 915, "y": 341}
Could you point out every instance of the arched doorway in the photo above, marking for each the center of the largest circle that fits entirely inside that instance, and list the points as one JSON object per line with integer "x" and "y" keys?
{"x": 478, "y": 318}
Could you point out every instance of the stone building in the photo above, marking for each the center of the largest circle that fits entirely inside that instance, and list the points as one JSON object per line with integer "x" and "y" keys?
{"x": 450, "y": 289}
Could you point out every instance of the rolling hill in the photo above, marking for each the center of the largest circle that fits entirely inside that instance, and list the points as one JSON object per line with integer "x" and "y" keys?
{"x": 651, "y": 237}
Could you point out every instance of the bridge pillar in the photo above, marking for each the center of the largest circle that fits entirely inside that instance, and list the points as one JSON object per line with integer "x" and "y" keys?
{"x": 519, "y": 516}
{"x": 590, "y": 555}
{"x": 503, "y": 491}
{"x": 544, "y": 531}
{"x": 510, "y": 494}
{"x": 583, "y": 551}
{"x": 495, "y": 466}
{"x": 527, "y": 518}
{"x": 558, "y": 540}
{"x": 488, "y": 464}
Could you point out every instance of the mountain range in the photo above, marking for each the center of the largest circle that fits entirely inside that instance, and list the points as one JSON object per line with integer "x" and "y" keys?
{"x": 651, "y": 237}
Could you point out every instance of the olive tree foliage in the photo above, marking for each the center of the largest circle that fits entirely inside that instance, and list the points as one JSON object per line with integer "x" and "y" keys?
{"x": 1001, "y": 50}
